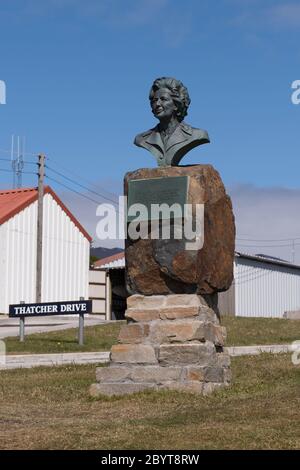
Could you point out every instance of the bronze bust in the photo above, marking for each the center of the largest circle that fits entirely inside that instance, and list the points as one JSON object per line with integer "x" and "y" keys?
{"x": 172, "y": 138}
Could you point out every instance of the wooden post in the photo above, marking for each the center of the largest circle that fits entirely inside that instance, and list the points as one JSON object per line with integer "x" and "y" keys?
{"x": 39, "y": 253}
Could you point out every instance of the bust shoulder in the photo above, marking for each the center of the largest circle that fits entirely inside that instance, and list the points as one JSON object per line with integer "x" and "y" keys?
{"x": 140, "y": 138}
{"x": 195, "y": 133}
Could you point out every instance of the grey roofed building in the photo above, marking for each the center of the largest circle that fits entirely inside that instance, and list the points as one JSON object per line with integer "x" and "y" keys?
{"x": 263, "y": 286}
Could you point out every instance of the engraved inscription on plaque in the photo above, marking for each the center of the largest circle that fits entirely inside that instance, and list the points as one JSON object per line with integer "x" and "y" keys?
{"x": 170, "y": 190}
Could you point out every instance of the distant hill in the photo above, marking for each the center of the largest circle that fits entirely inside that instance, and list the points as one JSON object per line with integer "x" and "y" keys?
{"x": 101, "y": 252}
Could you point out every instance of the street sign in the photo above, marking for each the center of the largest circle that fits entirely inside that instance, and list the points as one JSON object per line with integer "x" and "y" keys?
{"x": 50, "y": 308}
{"x": 46, "y": 309}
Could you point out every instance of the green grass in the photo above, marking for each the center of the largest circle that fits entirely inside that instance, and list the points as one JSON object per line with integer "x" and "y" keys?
{"x": 96, "y": 338}
{"x": 256, "y": 331}
{"x": 240, "y": 332}
{"x": 50, "y": 408}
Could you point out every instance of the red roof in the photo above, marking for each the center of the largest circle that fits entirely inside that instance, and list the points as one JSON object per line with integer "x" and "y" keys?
{"x": 14, "y": 201}
{"x": 108, "y": 259}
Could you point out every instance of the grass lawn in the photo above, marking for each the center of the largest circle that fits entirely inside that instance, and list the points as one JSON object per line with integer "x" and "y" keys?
{"x": 50, "y": 408}
{"x": 96, "y": 338}
{"x": 240, "y": 332}
{"x": 255, "y": 331}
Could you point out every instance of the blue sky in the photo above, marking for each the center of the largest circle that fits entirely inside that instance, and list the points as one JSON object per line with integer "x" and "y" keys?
{"x": 78, "y": 76}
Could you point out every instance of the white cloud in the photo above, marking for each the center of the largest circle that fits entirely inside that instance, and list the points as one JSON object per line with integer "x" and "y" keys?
{"x": 169, "y": 21}
{"x": 114, "y": 11}
{"x": 285, "y": 15}
{"x": 260, "y": 213}
{"x": 267, "y": 214}
{"x": 258, "y": 16}
{"x": 178, "y": 27}
{"x": 85, "y": 210}
{"x": 144, "y": 11}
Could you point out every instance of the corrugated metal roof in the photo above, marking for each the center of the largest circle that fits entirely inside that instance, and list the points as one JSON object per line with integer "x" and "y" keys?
{"x": 14, "y": 201}
{"x": 114, "y": 261}
{"x": 267, "y": 259}
{"x": 118, "y": 260}
{"x": 118, "y": 264}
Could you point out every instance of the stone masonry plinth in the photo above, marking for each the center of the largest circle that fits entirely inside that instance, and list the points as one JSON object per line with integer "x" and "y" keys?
{"x": 170, "y": 342}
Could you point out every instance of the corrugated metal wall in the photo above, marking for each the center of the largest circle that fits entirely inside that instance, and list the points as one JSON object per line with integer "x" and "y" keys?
{"x": 65, "y": 257}
{"x": 265, "y": 290}
{"x": 18, "y": 258}
{"x": 226, "y": 301}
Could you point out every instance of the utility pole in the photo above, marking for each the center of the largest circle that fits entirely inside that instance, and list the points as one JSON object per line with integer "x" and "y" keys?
{"x": 39, "y": 253}
{"x": 293, "y": 252}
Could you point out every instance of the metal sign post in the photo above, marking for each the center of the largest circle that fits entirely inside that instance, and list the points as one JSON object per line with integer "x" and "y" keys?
{"x": 81, "y": 327}
{"x": 22, "y": 326}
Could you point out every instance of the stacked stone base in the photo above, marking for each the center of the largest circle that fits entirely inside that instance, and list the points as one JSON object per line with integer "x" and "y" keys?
{"x": 170, "y": 342}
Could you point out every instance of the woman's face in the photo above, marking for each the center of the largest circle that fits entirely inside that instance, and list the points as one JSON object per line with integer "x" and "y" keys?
{"x": 162, "y": 104}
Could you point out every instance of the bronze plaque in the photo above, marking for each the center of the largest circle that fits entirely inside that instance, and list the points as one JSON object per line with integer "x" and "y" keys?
{"x": 170, "y": 190}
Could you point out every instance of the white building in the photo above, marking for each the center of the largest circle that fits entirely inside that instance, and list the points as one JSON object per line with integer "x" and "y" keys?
{"x": 107, "y": 287}
{"x": 262, "y": 287}
{"x": 65, "y": 255}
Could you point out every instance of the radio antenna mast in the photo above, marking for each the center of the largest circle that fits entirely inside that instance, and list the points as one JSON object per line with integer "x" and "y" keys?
{"x": 17, "y": 161}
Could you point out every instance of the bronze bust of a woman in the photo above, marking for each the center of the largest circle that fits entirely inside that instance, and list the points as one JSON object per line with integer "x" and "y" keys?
{"x": 172, "y": 138}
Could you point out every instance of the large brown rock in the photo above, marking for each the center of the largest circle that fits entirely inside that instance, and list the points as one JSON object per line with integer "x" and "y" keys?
{"x": 165, "y": 266}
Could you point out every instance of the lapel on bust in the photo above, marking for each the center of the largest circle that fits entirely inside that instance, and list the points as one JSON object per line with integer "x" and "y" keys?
{"x": 154, "y": 138}
{"x": 180, "y": 134}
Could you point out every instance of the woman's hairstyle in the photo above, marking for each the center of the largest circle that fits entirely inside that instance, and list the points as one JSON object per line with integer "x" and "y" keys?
{"x": 179, "y": 94}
